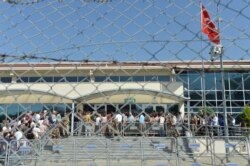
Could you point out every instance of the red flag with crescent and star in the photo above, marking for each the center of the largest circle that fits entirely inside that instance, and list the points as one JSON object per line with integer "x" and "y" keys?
{"x": 208, "y": 27}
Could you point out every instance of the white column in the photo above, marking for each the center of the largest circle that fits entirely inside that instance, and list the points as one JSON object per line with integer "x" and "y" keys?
{"x": 181, "y": 108}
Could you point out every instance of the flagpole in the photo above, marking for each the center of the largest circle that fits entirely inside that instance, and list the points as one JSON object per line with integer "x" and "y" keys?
{"x": 223, "y": 87}
{"x": 223, "y": 82}
{"x": 203, "y": 70}
{"x": 203, "y": 80}
{"x": 222, "y": 77}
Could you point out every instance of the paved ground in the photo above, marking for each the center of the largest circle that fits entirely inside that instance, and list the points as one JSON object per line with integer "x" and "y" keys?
{"x": 99, "y": 151}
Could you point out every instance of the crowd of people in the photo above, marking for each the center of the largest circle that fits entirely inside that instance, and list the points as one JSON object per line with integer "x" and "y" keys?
{"x": 36, "y": 125}
{"x": 112, "y": 124}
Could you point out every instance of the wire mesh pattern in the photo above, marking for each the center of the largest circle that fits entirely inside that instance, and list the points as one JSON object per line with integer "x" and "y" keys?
{"x": 114, "y": 68}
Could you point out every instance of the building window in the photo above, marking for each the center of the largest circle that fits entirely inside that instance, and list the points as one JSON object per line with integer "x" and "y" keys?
{"x": 100, "y": 79}
{"x": 138, "y": 78}
{"x": 22, "y": 79}
{"x": 114, "y": 78}
{"x": 5, "y": 79}
{"x": 126, "y": 79}
{"x": 35, "y": 79}
{"x": 163, "y": 78}
{"x": 59, "y": 79}
{"x": 83, "y": 79}
{"x": 71, "y": 79}
{"x": 151, "y": 78}
{"x": 48, "y": 79}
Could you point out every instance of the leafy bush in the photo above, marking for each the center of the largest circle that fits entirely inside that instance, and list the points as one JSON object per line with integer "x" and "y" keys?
{"x": 245, "y": 116}
{"x": 206, "y": 111}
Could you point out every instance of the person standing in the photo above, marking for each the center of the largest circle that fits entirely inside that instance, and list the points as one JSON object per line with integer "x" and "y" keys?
{"x": 97, "y": 124}
{"x": 142, "y": 123}
{"x": 161, "y": 124}
{"x": 88, "y": 124}
{"x": 118, "y": 122}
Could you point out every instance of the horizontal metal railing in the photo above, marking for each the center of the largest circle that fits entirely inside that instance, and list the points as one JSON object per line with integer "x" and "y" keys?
{"x": 155, "y": 129}
{"x": 188, "y": 150}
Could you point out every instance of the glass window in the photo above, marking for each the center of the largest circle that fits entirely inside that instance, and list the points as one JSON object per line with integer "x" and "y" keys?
{"x": 89, "y": 107}
{"x": 138, "y": 78}
{"x": 108, "y": 79}
{"x": 71, "y": 79}
{"x": 114, "y": 78}
{"x": 124, "y": 108}
{"x": 22, "y": 79}
{"x": 126, "y": 79}
{"x": 182, "y": 78}
{"x": 136, "y": 109}
{"x": 237, "y": 95}
{"x": 61, "y": 107}
{"x": 219, "y": 103}
{"x": 83, "y": 79}
{"x": 6, "y": 79}
{"x": 34, "y": 79}
{"x": 237, "y": 110}
{"x": 209, "y": 81}
{"x": 149, "y": 109}
{"x": 100, "y": 79}
{"x": 246, "y": 78}
{"x": 59, "y": 79}
{"x": 173, "y": 108}
{"x": 111, "y": 108}
{"x": 197, "y": 103}
{"x": 160, "y": 109}
{"x": 48, "y": 79}
{"x": 195, "y": 81}
{"x": 151, "y": 78}
{"x": 226, "y": 81}
{"x": 195, "y": 95}
{"x": 210, "y": 95}
{"x": 219, "y": 95}
{"x": 12, "y": 109}
{"x": 247, "y": 95}
{"x": 36, "y": 107}
{"x": 235, "y": 81}
{"x": 210, "y": 103}
{"x": 163, "y": 78}
{"x": 237, "y": 103}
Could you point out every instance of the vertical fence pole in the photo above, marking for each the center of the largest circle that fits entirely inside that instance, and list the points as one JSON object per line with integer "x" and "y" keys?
{"x": 72, "y": 118}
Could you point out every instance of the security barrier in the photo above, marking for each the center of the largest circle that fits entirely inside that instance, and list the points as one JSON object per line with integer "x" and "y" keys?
{"x": 195, "y": 150}
{"x": 231, "y": 151}
{"x": 3, "y": 152}
{"x": 144, "y": 151}
{"x": 133, "y": 82}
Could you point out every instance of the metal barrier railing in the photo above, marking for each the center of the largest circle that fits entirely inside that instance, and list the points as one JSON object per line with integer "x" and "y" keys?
{"x": 3, "y": 152}
{"x": 231, "y": 150}
{"x": 128, "y": 151}
{"x": 154, "y": 129}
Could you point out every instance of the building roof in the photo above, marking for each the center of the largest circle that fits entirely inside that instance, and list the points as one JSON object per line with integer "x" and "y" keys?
{"x": 177, "y": 65}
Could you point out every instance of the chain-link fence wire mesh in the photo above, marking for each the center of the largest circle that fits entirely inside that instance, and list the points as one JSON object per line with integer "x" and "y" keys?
{"x": 82, "y": 65}
{"x": 119, "y": 30}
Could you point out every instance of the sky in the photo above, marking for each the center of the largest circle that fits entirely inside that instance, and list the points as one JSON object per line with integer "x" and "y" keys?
{"x": 131, "y": 30}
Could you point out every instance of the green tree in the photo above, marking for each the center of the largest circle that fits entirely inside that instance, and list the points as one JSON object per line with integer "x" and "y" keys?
{"x": 206, "y": 111}
{"x": 245, "y": 116}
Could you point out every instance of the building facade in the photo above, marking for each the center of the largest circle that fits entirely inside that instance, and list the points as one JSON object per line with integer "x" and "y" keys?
{"x": 123, "y": 86}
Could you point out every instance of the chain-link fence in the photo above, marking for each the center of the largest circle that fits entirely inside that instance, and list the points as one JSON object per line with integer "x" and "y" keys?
{"x": 133, "y": 150}
{"x": 124, "y": 69}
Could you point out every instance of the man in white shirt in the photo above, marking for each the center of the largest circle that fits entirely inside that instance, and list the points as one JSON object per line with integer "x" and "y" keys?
{"x": 118, "y": 118}
{"x": 215, "y": 120}
{"x": 118, "y": 121}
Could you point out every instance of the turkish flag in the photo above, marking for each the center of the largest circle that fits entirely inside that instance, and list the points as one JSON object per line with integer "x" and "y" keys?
{"x": 208, "y": 27}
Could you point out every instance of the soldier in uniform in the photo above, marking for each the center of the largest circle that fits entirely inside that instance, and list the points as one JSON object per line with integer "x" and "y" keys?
{"x": 55, "y": 134}
{"x": 65, "y": 125}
